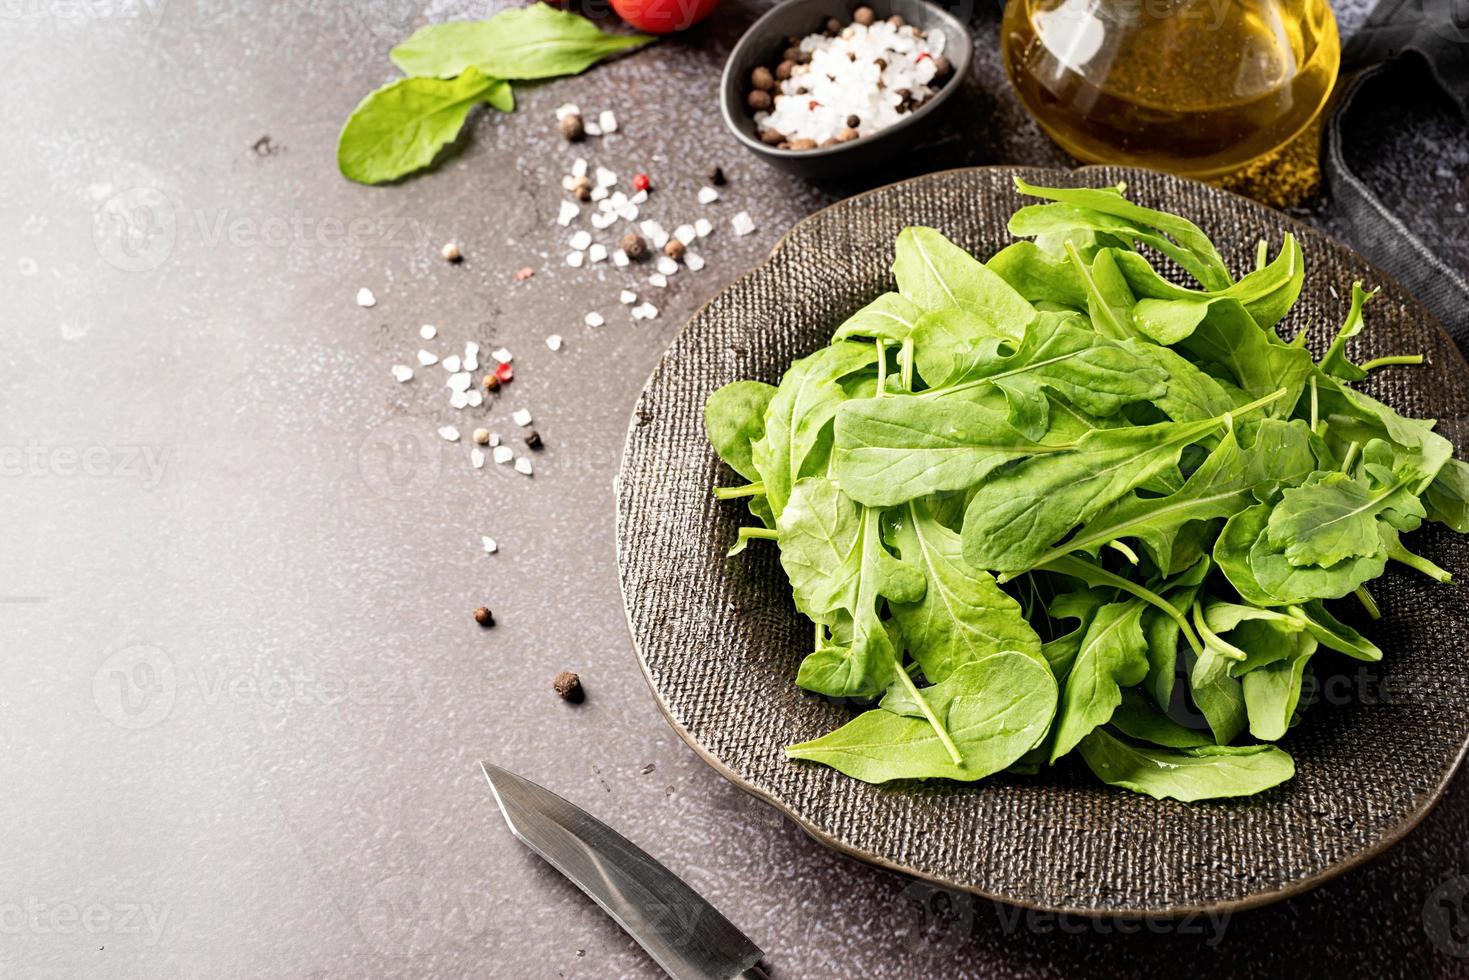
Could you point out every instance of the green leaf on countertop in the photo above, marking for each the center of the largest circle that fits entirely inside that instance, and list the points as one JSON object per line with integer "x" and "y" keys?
{"x": 402, "y": 126}
{"x": 520, "y": 44}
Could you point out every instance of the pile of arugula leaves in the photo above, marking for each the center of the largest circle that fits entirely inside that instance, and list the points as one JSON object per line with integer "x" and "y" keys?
{"x": 451, "y": 68}
{"x": 1055, "y": 501}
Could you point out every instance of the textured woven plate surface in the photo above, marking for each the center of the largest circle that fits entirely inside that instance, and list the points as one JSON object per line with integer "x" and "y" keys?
{"x": 719, "y": 639}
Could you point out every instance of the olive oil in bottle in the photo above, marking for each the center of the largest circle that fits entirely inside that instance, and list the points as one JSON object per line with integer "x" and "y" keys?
{"x": 1194, "y": 87}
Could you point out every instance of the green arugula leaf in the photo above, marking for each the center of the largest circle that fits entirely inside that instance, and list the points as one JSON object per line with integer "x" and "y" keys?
{"x": 1335, "y": 362}
{"x": 1273, "y": 690}
{"x": 1166, "y": 774}
{"x": 995, "y": 709}
{"x": 523, "y": 43}
{"x": 734, "y": 419}
{"x": 1331, "y": 517}
{"x": 402, "y": 126}
{"x": 963, "y": 614}
{"x": 1113, "y": 655}
{"x": 1138, "y": 718}
{"x": 936, "y": 274}
{"x": 890, "y": 317}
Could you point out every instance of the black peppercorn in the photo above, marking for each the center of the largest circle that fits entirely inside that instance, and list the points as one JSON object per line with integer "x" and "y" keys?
{"x": 762, "y": 79}
{"x": 942, "y": 67}
{"x": 759, "y": 100}
{"x": 784, "y": 69}
{"x": 716, "y": 176}
{"x": 568, "y": 685}
{"x": 833, "y": 27}
{"x": 571, "y": 127}
{"x": 533, "y": 439}
{"x": 853, "y": 122}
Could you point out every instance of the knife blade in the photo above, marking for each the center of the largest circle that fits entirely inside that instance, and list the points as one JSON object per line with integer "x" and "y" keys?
{"x": 683, "y": 933}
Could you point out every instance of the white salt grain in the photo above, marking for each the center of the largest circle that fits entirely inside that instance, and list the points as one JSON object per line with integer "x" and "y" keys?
{"x": 581, "y": 240}
{"x": 578, "y": 168}
{"x": 489, "y": 544}
{"x": 667, "y": 266}
{"x": 639, "y": 197}
{"x": 494, "y": 439}
{"x": 503, "y": 454}
{"x": 620, "y": 259}
{"x": 458, "y": 399}
{"x": 569, "y": 212}
{"x": 522, "y": 465}
{"x": 502, "y": 355}
{"x": 600, "y": 194}
{"x": 474, "y": 398}
{"x": 569, "y": 109}
{"x": 450, "y": 433}
{"x": 428, "y": 331}
{"x": 628, "y": 297}
{"x": 365, "y": 297}
{"x": 591, "y": 129}
{"x": 708, "y": 195}
{"x": 693, "y": 261}
{"x": 703, "y": 227}
{"x": 685, "y": 234}
{"x": 649, "y": 311}
{"x": 554, "y": 341}
{"x": 742, "y": 223}
{"x": 427, "y": 358}
{"x": 598, "y": 252}
{"x": 521, "y": 416}
{"x": 477, "y": 458}
{"x": 471, "y": 356}
{"x": 605, "y": 177}
{"x": 575, "y": 259}
{"x": 607, "y": 121}
{"x": 658, "y": 279}
{"x": 593, "y": 319}
{"x": 603, "y": 220}
{"x": 402, "y": 373}
{"x": 459, "y": 381}
{"x": 451, "y": 363}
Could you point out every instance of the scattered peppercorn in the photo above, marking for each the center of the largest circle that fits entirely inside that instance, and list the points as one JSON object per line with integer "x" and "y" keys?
{"x": 533, "y": 439}
{"x": 635, "y": 245}
{"x": 568, "y": 685}
{"x": 571, "y": 127}
{"x": 942, "y": 67}
{"x": 863, "y": 16}
{"x": 759, "y": 100}
{"x": 451, "y": 253}
{"x": 716, "y": 176}
{"x": 484, "y": 617}
{"x": 491, "y": 382}
{"x": 482, "y": 436}
{"x": 581, "y": 189}
{"x": 674, "y": 249}
{"x": 784, "y": 69}
{"x": 640, "y": 182}
{"x": 854, "y": 121}
{"x": 761, "y": 78}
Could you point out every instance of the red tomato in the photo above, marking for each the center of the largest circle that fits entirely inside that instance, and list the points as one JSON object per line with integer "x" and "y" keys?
{"x": 663, "y": 16}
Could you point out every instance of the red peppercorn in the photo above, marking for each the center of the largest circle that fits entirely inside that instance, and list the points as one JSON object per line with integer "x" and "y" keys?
{"x": 504, "y": 372}
{"x": 641, "y": 182}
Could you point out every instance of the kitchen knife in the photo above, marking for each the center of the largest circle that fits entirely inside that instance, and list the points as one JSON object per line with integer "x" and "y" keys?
{"x": 681, "y": 931}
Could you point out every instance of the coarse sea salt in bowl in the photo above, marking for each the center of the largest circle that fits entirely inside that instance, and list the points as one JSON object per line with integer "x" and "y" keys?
{"x": 769, "y": 36}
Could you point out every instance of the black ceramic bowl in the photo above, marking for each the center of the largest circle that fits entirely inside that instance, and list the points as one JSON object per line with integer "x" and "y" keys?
{"x": 763, "y": 43}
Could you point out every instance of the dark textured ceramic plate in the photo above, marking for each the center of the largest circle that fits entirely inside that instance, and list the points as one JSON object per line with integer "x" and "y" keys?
{"x": 719, "y": 639}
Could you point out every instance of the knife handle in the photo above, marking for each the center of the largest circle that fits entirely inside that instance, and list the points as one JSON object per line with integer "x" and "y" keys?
{"x": 753, "y": 973}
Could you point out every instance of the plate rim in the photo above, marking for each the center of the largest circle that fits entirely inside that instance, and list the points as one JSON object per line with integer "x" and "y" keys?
{"x": 1255, "y": 900}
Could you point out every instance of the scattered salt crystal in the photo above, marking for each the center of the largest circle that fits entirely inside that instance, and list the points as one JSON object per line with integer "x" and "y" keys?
{"x": 600, "y": 194}
{"x": 605, "y": 177}
{"x": 402, "y": 372}
{"x": 628, "y": 212}
{"x": 639, "y": 197}
{"x": 522, "y": 465}
{"x": 703, "y": 227}
{"x": 521, "y": 416}
{"x": 489, "y": 544}
{"x": 451, "y": 363}
{"x": 568, "y": 212}
{"x": 575, "y": 259}
{"x": 603, "y": 220}
{"x": 649, "y": 310}
{"x": 693, "y": 261}
{"x": 578, "y": 168}
{"x": 667, "y": 266}
{"x": 474, "y": 398}
{"x": 427, "y": 358}
{"x": 494, "y": 439}
{"x": 503, "y": 454}
{"x": 459, "y": 381}
{"x": 591, "y": 129}
{"x": 502, "y": 355}
{"x": 628, "y": 297}
{"x": 617, "y": 201}
{"x": 580, "y": 240}
{"x": 708, "y": 195}
{"x": 685, "y": 234}
{"x": 658, "y": 279}
{"x": 593, "y": 319}
{"x": 569, "y": 109}
{"x": 458, "y": 399}
{"x": 450, "y": 433}
{"x": 742, "y": 223}
{"x": 620, "y": 259}
{"x": 428, "y": 331}
{"x": 554, "y": 341}
{"x": 477, "y": 458}
{"x": 365, "y": 297}
{"x": 607, "y": 121}
{"x": 598, "y": 252}
{"x": 471, "y": 356}
{"x": 568, "y": 182}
